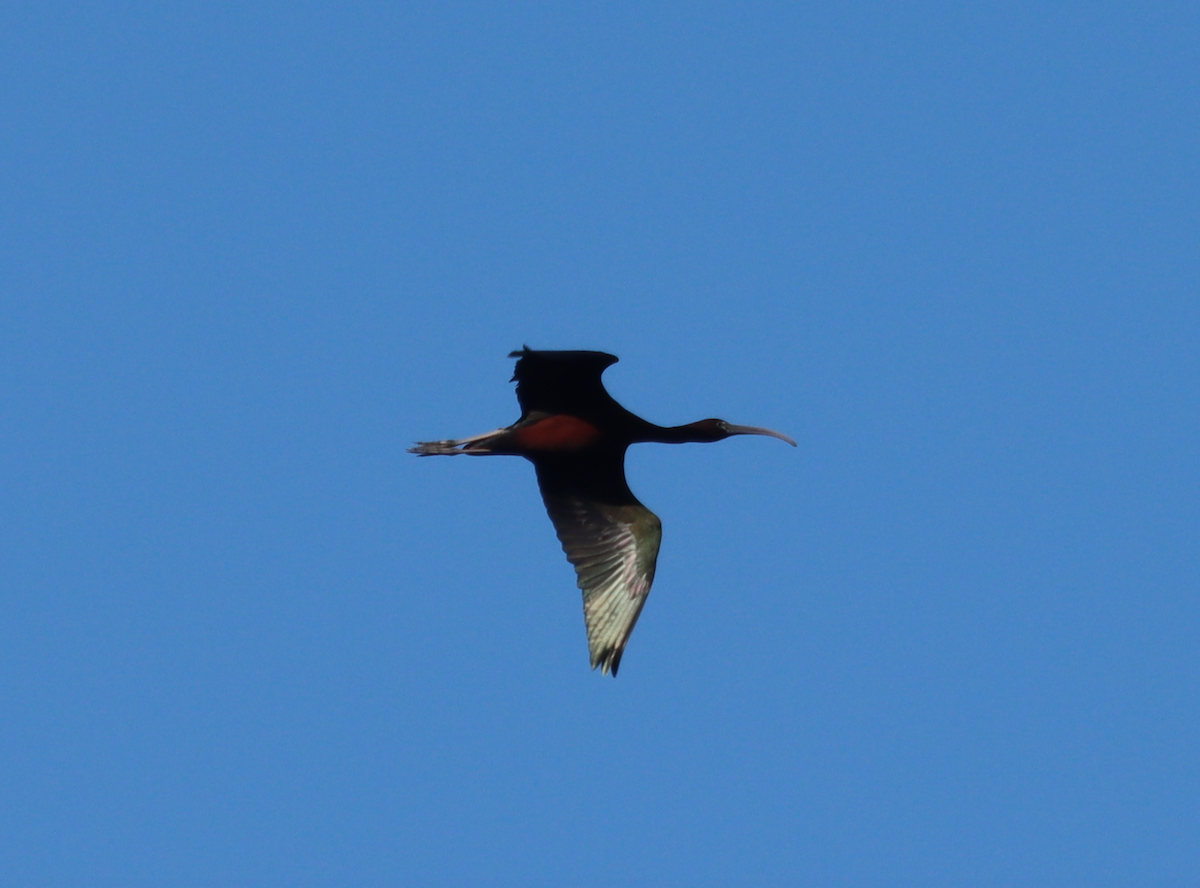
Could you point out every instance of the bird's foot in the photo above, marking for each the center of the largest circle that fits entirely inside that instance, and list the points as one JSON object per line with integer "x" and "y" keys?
{"x": 477, "y": 444}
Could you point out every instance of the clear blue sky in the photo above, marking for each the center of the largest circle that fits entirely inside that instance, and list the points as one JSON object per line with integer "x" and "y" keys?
{"x": 248, "y": 255}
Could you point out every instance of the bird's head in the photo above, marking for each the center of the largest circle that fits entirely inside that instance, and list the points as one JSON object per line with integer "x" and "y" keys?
{"x": 718, "y": 430}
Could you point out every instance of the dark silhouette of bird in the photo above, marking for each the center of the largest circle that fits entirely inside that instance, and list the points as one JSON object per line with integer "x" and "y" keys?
{"x": 576, "y": 435}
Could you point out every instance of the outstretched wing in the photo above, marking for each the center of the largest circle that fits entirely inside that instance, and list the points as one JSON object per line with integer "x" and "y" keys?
{"x": 562, "y": 382}
{"x": 614, "y": 549}
{"x": 610, "y": 538}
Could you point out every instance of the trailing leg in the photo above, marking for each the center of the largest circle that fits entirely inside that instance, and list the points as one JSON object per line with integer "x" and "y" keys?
{"x": 477, "y": 445}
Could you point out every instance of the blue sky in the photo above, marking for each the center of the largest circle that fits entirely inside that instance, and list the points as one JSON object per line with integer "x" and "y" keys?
{"x": 250, "y": 254}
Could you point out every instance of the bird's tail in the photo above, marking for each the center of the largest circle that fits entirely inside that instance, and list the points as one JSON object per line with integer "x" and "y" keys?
{"x": 477, "y": 445}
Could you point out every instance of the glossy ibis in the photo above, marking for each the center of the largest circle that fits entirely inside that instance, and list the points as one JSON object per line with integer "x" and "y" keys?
{"x": 576, "y": 435}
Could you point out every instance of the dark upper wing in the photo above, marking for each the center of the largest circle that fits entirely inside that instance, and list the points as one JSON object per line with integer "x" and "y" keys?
{"x": 561, "y": 381}
{"x": 610, "y": 538}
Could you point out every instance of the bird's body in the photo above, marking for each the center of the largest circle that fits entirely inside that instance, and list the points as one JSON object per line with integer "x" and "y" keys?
{"x": 576, "y": 434}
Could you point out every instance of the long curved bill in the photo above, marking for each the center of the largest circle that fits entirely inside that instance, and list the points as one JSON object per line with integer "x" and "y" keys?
{"x": 757, "y": 430}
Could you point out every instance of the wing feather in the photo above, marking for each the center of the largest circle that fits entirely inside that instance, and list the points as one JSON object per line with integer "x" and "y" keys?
{"x": 562, "y": 382}
{"x": 614, "y": 549}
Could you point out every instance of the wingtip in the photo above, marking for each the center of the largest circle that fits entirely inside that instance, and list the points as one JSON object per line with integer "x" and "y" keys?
{"x": 524, "y": 350}
{"x": 608, "y": 661}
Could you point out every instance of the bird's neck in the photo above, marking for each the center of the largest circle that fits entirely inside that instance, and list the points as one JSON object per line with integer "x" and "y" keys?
{"x": 692, "y": 433}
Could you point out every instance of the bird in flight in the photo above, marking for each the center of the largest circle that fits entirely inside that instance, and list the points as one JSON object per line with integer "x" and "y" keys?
{"x": 576, "y": 435}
